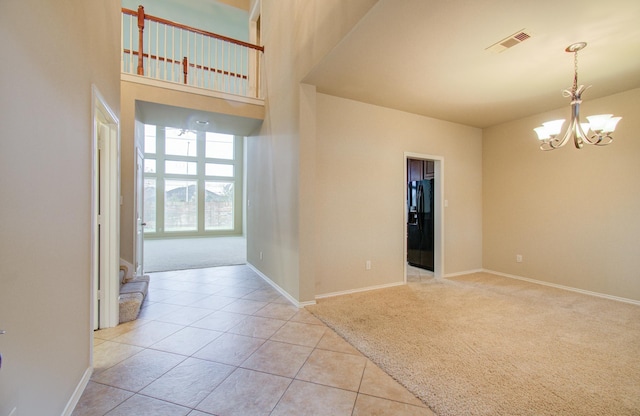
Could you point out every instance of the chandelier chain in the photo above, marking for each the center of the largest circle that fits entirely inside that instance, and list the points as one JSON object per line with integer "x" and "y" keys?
{"x": 575, "y": 71}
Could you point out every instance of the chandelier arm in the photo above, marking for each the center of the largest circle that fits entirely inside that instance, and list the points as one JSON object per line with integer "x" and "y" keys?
{"x": 546, "y": 146}
{"x": 602, "y": 135}
{"x": 574, "y": 127}
{"x": 604, "y": 140}
{"x": 557, "y": 142}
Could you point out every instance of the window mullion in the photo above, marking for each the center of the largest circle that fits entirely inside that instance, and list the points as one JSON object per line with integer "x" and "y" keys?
{"x": 237, "y": 178}
{"x": 201, "y": 143}
{"x": 160, "y": 151}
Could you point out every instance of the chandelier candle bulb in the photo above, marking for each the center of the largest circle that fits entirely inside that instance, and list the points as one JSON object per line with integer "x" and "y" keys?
{"x": 601, "y": 125}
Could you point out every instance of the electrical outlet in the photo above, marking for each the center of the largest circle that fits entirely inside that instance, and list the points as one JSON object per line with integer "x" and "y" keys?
{"x": 261, "y": 255}
{"x": 367, "y": 265}
{"x": 518, "y": 258}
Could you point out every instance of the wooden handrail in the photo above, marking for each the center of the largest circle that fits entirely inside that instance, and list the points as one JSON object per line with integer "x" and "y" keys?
{"x": 189, "y": 28}
{"x": 140, "y": 17}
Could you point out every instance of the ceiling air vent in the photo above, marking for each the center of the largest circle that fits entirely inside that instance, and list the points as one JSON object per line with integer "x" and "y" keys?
{"x": 510, "y": 41}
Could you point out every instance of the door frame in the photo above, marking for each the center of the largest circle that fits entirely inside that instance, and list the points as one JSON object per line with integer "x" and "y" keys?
{"x": 138, "y": 231}
{"x": 438, "y": 212}
{"x": 105, "y": 214}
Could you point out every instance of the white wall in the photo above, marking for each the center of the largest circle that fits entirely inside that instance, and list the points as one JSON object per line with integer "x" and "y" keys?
{"x": 572, "y": 214}
{"x": 360, "y": 185}
{"x": 296, "y": 35}
{"x": 55, "y": 51}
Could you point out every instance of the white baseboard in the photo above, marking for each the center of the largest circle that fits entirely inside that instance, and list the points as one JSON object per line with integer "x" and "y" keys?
{"x": 363, "y": 289}
{"x": 463, "y": 273}
{"x": 569, "y": 288}
{"x": 75, "y": 397}
{"x": 283, "y": 292}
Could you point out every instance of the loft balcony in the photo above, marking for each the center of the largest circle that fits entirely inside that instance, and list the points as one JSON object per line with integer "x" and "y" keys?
{"x": 159, "y": 52}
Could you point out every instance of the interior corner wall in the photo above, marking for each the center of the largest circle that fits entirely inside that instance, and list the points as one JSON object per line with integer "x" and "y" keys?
{"x": 572, "y": 214}
{"x": 296, "y": 35}
{"x": 360, "y": 192}
{"x": 58, "y": 50}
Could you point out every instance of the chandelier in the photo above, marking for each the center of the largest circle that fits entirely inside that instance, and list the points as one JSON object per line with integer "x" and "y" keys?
{"x": 601, "y": 125}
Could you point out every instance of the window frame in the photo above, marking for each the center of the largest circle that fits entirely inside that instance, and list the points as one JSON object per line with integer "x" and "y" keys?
{"x": 201, "y": 179}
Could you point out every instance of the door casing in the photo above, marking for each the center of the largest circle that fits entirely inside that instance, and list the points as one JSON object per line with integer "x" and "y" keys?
{"x": 105, "y": 217}
{"x": 139, "y": 215}
{"x": 438, "y": 211}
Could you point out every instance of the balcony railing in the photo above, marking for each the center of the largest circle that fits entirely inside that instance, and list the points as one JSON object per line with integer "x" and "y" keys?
{"x": 173, "y": 52}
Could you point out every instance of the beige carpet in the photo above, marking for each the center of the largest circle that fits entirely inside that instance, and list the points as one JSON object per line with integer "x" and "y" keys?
{"x": 193, "y": 253}
{"x": 482, "y": 344}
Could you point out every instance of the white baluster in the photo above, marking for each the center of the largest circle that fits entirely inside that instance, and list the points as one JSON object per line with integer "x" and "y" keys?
{"x": 131, "y": 45}
{"x": 215, "y": 64}
{"x": 209, "y": 83}
{"x": 157, "y": 75}
{"x": 166, "y": 76}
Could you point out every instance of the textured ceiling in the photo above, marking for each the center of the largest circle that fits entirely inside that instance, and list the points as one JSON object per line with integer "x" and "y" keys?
{"x": 429, "y": 57}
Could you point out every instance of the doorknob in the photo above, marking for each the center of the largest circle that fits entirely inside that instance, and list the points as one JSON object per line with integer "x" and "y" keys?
{"x": 144, "y": 224}
{"x": 2, "y": 332}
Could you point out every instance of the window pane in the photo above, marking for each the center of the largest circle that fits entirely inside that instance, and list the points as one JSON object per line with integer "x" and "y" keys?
{"x": 180, "y": 142}
{"x": 149, "y": 138}
{"x": 218, "y": 206}
{"x": 183, "y": 168}
{"x": 219, "y": 146}
{"x": 180, "y": 205}
{"x": 149, "y": 166}
{"x": 149, "y": 215}
{"x": 213, "y": 169}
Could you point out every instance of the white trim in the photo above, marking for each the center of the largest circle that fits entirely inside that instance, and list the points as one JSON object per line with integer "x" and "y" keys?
{"x": 569, "y": 288}
{"x": 363, "y": 289}
{"x": 255, "y": 11}
{"x": 77, "y": 393}
{"x": 290, "y": 298}
{"x": 109, "y": 255}
{"x": 139, "y": 79}
{"x": 439, "y": 213}
{"x": 463, "y": 273}
{"x": 138, "y": 214}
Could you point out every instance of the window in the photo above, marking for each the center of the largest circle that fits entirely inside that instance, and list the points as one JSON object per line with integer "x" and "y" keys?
{"x": 218, "y": 208}
{"x": 180, "y": 142}
{"x": 219, "y": 146}
{"x": 193, "y": 182}
{"x": 150, "y": 204}
{"x": 180, "y": 205}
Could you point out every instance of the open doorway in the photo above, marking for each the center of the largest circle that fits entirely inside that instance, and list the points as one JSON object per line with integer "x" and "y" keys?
{"x": 192, "y": 191}
{"x": 424, "y": 215}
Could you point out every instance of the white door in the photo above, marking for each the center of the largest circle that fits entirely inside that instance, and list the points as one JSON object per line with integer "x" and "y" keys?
{"x": 100, "y": 235}
{"x": 139, "y": 214}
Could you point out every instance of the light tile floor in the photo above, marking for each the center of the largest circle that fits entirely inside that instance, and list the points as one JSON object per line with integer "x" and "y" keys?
{"x": 221, "y": 341}
{"x": 418, "y": 275}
